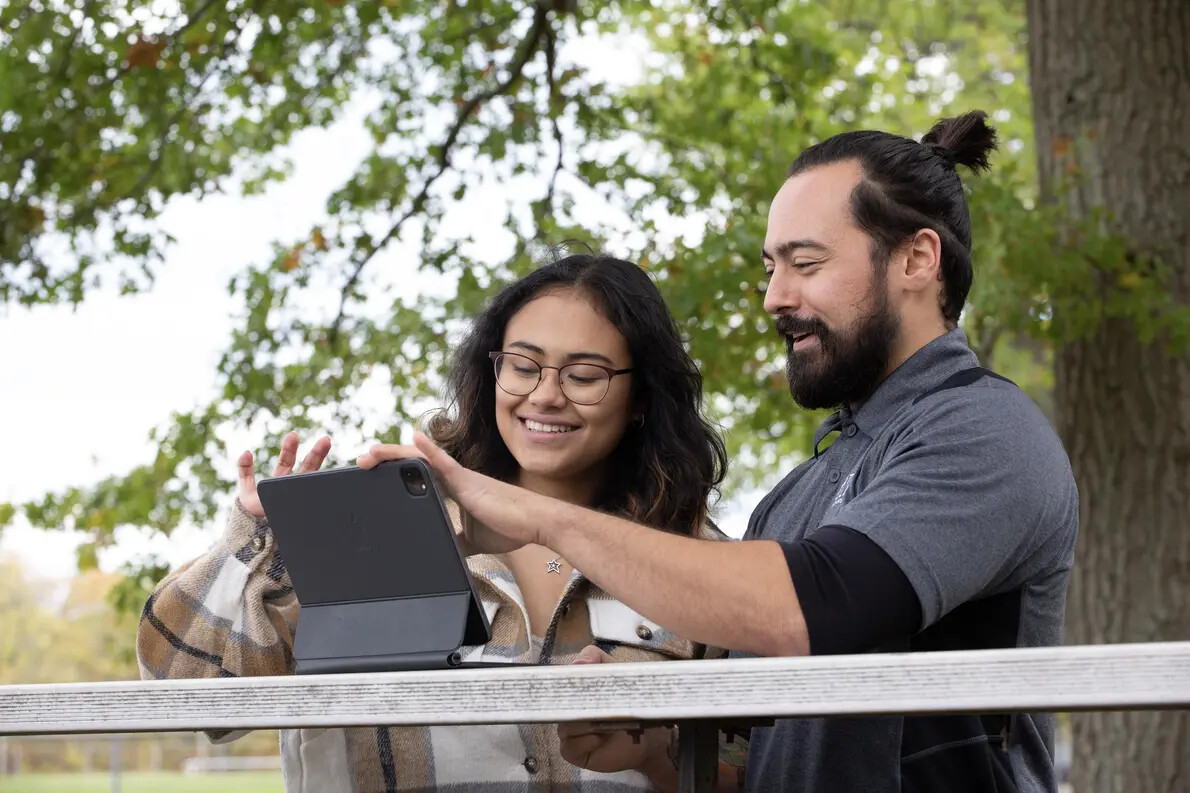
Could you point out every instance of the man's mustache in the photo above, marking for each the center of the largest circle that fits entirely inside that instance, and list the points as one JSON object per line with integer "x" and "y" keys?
{"x": 790, "y": 326}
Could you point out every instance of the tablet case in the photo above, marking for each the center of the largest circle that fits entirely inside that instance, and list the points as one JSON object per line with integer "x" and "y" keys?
{"x": 381, "y": 581}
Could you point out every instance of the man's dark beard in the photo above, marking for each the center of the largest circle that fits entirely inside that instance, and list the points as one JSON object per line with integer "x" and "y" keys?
{"x": 844, "y": 367}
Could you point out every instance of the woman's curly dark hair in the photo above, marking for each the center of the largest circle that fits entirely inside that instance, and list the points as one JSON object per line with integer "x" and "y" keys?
{"x": 662, "y": 472}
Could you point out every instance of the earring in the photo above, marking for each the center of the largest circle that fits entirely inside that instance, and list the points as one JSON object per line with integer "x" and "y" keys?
{"x": 638, "y": 422}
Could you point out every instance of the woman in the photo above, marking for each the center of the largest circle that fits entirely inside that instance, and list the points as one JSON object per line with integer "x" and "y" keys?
{"x": 572, "y": 383}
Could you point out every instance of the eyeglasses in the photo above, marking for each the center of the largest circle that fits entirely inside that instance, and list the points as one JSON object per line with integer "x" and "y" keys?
{"x": 581, "y": 383}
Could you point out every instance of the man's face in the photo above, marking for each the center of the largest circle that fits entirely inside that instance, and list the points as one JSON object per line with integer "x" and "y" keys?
{"x": 832, "y": 305}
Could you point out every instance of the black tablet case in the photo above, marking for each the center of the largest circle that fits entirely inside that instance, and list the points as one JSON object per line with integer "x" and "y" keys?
{"x": 381, "y": 582}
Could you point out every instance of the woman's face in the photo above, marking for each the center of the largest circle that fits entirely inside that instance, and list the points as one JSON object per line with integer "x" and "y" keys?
{"x": 549, "y": 435}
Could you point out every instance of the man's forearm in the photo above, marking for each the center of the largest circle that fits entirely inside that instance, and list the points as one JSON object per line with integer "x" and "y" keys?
{"x": 734, "y": 595}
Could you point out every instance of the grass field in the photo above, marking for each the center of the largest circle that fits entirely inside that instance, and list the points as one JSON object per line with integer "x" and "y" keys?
{"x": 144, "y": 782}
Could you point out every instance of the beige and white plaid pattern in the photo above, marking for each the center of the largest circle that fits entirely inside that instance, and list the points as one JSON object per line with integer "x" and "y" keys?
{"x": 233, "y": 612}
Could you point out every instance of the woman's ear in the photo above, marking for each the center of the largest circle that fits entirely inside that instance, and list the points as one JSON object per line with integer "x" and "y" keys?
{"x": 638, "y": 413}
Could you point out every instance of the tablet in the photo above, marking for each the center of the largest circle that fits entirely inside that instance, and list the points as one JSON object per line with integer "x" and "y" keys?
{"x": 372, "y": 555}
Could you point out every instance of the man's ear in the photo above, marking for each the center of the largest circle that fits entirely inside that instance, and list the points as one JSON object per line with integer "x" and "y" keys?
{"x": 922, "y": 265}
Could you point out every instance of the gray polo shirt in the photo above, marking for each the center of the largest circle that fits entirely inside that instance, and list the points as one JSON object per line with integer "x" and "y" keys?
{"x": 969, "y": 491}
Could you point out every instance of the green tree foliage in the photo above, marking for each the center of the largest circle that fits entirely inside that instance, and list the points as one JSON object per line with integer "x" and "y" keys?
{"x": 109, "y": 110}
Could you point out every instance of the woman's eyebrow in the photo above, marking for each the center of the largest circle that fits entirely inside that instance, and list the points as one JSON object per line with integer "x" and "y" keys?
{"x": 577, "y": 356}
{"x": 524, "y": 345}
{"x": 574, "y": 356}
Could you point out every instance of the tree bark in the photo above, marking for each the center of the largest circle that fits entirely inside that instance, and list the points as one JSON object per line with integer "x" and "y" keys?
{"x": 1111, "y": 102}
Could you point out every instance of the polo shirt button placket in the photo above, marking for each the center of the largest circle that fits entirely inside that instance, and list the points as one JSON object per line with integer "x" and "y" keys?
{"x": 851, "y": 430}
{"x": 834, "y": 475}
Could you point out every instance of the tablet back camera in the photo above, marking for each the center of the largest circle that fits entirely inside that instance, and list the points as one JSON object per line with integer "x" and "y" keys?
{"x": 415, "y": 483}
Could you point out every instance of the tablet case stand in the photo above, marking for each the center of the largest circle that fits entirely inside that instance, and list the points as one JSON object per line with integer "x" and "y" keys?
{"x": 431, "y": 629}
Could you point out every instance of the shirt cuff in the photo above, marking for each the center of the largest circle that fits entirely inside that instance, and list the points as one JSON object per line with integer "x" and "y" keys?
{"x": 247, "y": 536}
{"x": 852, "y": 595}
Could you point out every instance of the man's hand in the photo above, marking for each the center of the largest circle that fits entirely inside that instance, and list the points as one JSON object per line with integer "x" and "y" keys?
{"x": 608, "y": 751}
{"x": 485, "y": 502}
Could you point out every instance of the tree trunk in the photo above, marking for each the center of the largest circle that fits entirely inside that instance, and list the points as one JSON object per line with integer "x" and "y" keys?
{"x": 1111, "y": 101}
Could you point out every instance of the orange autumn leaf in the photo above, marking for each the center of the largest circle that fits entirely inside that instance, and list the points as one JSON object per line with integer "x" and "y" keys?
{"x": 318, "y": 240}
{"x": 292, "y": 259}
{"x": 1061, "y": 146}
{"x": 143, "y": 53}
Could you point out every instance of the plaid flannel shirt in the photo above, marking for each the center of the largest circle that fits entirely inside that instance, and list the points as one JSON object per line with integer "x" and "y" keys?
{"x": 233, "y": 612}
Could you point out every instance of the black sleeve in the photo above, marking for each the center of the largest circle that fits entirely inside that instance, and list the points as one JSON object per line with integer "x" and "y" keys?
{"x": 852, "y": 594}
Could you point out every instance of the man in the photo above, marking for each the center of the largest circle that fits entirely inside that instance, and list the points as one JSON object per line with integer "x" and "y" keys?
{"x": 943, "y": 516}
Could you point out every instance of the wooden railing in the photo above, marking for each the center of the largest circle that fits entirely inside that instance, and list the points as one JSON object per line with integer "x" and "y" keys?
{"x": 695, "y": 695}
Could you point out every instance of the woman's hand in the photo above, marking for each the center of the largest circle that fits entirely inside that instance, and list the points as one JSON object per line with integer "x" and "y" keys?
{"x": 489, "y": 506}
{"x": 607, "y": 751}
{"x": 246, "y": 492}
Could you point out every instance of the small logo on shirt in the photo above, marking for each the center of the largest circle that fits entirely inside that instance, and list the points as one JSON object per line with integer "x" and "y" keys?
{"x": 841, "y": 495}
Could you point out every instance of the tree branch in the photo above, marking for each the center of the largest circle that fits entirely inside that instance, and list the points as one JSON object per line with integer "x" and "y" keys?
{"x": 551, "y": 57}
{"x": 516, "y": 67}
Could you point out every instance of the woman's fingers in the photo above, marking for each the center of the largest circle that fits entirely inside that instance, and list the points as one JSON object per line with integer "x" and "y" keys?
{"x": 289, "y": 447}
{"x": 316, "y": 456}
{"x": 592, "y": 655}
{"x": 577, "y": 750}
{"x": 246, "y": 492}
{"x": 247, "y": 475}
{"x": 573, "y": 729}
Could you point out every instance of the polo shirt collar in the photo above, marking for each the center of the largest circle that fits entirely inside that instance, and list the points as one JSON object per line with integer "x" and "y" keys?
{"x": 925, "y": 369}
